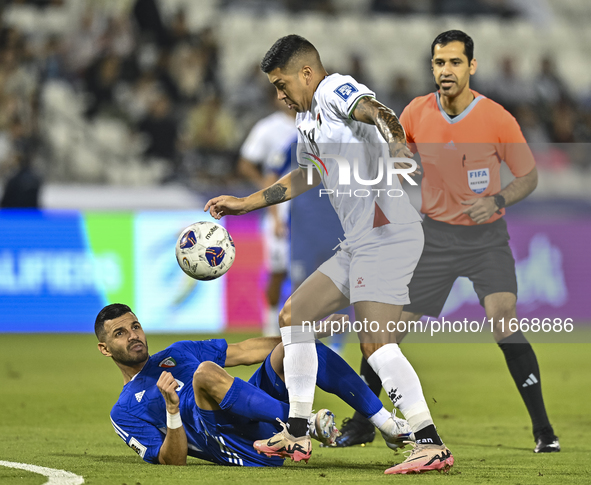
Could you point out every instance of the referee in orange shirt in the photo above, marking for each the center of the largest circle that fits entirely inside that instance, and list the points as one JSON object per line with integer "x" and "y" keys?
{"x": 462, "y": 138}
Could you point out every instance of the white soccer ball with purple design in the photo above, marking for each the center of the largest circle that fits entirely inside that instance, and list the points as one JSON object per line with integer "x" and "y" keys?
{"x": 205, "y": 251}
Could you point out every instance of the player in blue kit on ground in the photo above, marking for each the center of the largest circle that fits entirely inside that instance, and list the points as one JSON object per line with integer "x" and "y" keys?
{"x": 181, "y": 402}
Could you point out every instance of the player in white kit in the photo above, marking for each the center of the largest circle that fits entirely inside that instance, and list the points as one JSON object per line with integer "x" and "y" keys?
{"x": 262, "y": 157}
{"x": 342, "y": 132}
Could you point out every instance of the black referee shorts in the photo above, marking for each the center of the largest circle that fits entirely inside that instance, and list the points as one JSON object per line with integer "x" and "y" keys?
{"x": 481, "y": 253}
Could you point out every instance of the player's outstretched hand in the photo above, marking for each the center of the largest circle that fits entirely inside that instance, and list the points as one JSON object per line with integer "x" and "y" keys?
{"x": 481, "y": 208}
{"x": 225, "y": 205}
{"x": 167, "y": 386}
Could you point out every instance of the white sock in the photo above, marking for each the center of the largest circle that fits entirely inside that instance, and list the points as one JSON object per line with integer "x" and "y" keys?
{"x": 401, "y": 383}
{"x": 379, "y": 418}
{"x": 300, "y": 366}
{"x": 271, "y": 324}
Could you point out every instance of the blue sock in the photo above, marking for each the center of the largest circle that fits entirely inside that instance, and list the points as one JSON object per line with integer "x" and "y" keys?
{"x": 337, "y": 377}
{"x": 249, "y": 401}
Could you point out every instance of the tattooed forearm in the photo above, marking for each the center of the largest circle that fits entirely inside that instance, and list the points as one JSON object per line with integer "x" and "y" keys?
{"x": 371, "y": 111}
{"x": 275, "y": 194}
{"x": 389, "y": 126}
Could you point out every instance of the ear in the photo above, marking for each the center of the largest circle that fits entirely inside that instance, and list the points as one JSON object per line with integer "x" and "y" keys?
{"x": 103, "y": 349}
{"x": 307, "y": 73}
{"x": 473, "y": 67}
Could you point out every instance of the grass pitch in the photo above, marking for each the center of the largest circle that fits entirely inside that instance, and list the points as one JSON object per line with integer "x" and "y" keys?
{"x": 56, "y": 392}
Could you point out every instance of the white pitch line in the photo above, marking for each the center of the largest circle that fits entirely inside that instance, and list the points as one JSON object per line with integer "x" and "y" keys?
{"x": 56, "y": 477}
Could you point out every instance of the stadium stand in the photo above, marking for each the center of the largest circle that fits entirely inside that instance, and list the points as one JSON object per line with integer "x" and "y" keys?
{"x": 83, "y": 84}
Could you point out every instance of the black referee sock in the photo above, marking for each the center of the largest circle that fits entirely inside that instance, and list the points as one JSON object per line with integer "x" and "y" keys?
{"x": 373, "y": 382}
{"x": 524, "y": 369}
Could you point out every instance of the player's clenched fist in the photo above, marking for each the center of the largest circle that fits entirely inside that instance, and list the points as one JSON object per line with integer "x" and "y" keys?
{"x": 167, "y": 385}
{"x": 225, "y": 205}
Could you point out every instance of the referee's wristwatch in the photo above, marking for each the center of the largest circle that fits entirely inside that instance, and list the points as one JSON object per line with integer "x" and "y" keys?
{"x": 499, "y": 202}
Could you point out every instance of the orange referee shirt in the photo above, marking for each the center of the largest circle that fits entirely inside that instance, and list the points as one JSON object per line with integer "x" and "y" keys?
{"x": 462, "y": 156}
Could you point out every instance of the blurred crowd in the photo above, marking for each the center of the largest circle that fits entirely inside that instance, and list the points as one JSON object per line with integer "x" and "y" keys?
{"x": 160, "y": 82}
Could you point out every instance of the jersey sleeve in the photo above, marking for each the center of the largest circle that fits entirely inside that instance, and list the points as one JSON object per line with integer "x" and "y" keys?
{"x": 342, "y": 98}
{"x": 213, "y": 349}
{"x": 514, "y": 149}
{"x": 142, "y": 437}
{"x": 254, "y": 147}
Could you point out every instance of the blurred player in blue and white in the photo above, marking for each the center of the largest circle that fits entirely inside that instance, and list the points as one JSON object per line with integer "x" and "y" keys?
{"x": 181, "y": 402}
{"x": 341, "y": 125}
{"x": 263, "y": 162}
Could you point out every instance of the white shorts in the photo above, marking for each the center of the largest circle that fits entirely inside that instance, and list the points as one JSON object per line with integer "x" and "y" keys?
{"x": 276, "y": 249}
{"x": 379, "y": 266}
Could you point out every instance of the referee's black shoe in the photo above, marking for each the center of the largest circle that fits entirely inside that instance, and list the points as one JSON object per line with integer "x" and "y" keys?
{"x": 547, "y": 443}
{"x": 355, "y": 432}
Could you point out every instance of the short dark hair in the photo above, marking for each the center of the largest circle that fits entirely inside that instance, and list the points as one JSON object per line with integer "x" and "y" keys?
{"x": 285, "y": 49}
{"x": 455, "y": 35}
{"x": 110, "y": 312}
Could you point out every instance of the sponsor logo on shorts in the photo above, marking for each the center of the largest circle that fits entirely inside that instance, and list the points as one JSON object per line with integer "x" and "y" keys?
{"x": 359, "y": 283}
{"x": 136, "y": 446}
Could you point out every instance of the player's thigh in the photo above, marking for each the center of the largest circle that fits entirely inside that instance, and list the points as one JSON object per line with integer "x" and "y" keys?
{"x": 317, "y": 297}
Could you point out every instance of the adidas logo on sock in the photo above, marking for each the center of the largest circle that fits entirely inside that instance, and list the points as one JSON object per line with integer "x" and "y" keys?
{"x": 530, "y": 381}
{"x": 139, "y": 395}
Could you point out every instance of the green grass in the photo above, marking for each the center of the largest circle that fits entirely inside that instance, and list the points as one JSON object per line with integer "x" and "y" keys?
{"x": 56, "y": 392}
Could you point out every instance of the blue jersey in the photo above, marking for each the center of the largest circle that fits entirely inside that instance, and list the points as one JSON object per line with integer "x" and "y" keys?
{"x": 139, "y": 416}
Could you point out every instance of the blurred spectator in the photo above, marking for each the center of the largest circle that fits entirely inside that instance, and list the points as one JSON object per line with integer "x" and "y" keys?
{"x": 188, "y": 69}
{"x": 149, "y": 21}
{"x": 161, "y": 127}
{"x": 400, "y": 94}
{"x": 548, "y": 85}
{"x": 101, "y": 80}
{"x": 323, "y": 6}
{"x": 210, "y": 126}
{"x": 84, "y": 44}
{"x": 564, "y": 118}
{"x": 532, "y": 128}
{"x": 508, "y": 88}
{"x": 23, "y": 187}
{"x": 393, "y": 6}
{"x": 51, "y": 63}
{"x": 179, "y": 31}
{"x": 253, "y": 98}
{"x": 358, "y": 70}
{"x": 502, "y": 8}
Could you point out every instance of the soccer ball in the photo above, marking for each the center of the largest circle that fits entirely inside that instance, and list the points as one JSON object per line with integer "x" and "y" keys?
{"x": 205, "y": 251}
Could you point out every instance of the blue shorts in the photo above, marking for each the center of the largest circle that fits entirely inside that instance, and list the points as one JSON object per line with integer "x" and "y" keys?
{"x": 230, "y": 437}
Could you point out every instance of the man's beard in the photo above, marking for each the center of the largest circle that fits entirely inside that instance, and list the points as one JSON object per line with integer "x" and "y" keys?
{"x": 124, "y": 358}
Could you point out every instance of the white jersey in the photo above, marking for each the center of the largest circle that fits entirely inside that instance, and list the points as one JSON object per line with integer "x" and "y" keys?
{"x": 268, "y": 138}
{"x": 328, "y": 129}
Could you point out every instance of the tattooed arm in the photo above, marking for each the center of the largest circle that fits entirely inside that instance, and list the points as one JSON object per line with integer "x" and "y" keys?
{"x": 286, "y": 188}
{"x": 372, "y": 112}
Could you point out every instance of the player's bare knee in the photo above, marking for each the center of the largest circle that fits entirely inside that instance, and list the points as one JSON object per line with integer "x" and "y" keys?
{"x": 207, "y": 375}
